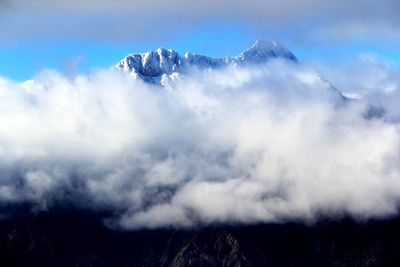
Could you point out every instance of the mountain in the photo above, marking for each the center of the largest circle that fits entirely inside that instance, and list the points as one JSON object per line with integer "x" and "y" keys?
{"x": 69, "y": 238}
{"x": 153, "y": 65}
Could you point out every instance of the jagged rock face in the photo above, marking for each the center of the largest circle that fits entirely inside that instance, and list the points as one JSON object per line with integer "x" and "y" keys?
{"x": 153, "y": 63}
{"x": 151, "y": 66}
{"x": 221, "y": 249}
{"x": 81, "y": 239}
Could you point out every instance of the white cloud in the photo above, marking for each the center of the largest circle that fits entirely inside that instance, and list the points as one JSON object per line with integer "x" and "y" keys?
{"x": 106, "y": 20}
{"x": 236, "y": 145}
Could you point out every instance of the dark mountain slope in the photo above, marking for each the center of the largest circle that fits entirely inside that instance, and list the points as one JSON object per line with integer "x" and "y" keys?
{"x": 81, "y": 239}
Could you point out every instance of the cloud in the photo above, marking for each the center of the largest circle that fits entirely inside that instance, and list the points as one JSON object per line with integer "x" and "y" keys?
{"x": 237, "y": 145}
{"x": 371, "y": 79}
{"x": 116, "y": 21}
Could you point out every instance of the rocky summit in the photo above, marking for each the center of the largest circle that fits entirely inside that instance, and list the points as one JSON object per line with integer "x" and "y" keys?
{"x": 153, "y": 65}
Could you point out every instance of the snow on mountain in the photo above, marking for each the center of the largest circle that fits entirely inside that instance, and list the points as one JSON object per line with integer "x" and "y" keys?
{"x": 263, "y": 50}
{"x": 153, "y": 65}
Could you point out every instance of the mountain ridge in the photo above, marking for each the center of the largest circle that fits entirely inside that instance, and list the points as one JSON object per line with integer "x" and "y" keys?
{"x": 152, "y": 65}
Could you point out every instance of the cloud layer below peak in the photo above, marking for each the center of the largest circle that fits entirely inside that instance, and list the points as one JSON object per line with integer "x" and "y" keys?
{"x": 237, "y": 145}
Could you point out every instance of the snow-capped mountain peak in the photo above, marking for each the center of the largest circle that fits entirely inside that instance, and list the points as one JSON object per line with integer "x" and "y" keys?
{"x": 153, "y": 65}
{"x": 262, "y": 50}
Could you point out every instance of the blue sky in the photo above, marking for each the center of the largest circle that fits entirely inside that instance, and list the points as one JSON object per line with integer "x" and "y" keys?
{"x": 23, "y": 60}
{"x": 72, "y": 38}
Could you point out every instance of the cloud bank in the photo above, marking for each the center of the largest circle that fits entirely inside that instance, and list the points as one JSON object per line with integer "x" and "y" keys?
{"x": 121, "y": 20}
{"x": 238, "y": 145}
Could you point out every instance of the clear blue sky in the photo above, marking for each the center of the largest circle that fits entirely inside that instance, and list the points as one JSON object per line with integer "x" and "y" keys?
{"x": 22, "y": 60}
